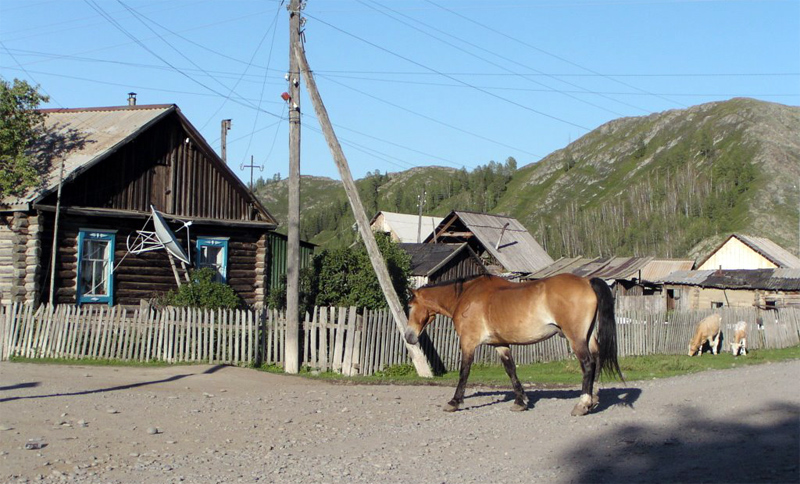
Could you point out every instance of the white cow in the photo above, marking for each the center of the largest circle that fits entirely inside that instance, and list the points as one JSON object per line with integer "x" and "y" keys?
{"x": 739, "y": 344}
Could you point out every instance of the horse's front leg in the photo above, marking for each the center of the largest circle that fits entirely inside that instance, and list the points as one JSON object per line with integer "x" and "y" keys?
{"x": 521, "y": 400}
{"x": 467, "y": 354}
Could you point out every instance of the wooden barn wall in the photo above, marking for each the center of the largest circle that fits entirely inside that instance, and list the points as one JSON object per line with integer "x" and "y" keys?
{"x": 160, "y": 168}
{"x": 458, "y": 268}
{"x": 148, "y": 275}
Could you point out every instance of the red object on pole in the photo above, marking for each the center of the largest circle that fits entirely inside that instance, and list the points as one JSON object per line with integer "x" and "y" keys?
{"x": 286, "y": 97}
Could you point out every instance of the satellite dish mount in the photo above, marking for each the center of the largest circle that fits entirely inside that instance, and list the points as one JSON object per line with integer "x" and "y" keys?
{"x": 162, "y": 237}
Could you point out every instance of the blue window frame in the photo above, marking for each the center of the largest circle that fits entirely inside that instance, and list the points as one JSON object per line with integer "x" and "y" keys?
{"x": 213, "y": 252}
{"x": 95, "y": 266}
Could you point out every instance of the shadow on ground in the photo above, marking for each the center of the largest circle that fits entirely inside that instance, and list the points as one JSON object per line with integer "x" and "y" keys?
{"x": 609, "y": 397}
{"x": 128, "y": 386}
{"x": 763, "y": 446}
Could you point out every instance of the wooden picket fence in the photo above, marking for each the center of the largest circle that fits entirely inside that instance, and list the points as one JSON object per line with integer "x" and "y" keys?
{"x": 333, "y": 339}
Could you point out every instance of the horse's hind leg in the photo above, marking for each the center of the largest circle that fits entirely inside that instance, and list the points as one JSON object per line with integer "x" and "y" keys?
{"x": 594, "y": 349}
{"x": 521, "y": 401}
{"x": 466, "y": 363}
{"x": 588, "y": 366}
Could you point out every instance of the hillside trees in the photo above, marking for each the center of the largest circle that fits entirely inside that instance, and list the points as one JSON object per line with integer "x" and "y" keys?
{"x": 19, "y": 123}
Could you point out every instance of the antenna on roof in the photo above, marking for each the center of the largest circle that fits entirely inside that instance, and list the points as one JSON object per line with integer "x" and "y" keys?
{"x": 162, "y": 238}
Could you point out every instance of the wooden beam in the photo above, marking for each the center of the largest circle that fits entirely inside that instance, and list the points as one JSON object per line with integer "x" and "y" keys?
{"x": 415, "y": 351}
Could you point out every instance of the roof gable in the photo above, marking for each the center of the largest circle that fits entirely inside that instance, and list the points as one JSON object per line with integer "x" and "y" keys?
{"x": 507, "y": 240}
{"x": 762, "y": 246}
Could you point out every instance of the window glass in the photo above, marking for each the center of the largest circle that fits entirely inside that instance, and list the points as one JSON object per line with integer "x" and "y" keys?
{"x": 95, "y": 262}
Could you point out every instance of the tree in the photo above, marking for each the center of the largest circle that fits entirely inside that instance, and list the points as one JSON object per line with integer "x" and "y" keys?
{"x": 346, "y": 277}
{"x": 19, "y": 126}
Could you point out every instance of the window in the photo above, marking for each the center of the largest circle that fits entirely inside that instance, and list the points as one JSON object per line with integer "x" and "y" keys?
{"x": 213, "y": 252}
{"x": 95, "y": 266}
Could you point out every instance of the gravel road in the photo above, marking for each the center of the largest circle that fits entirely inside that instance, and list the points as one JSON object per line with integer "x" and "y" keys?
{"x": 205, "y": 424}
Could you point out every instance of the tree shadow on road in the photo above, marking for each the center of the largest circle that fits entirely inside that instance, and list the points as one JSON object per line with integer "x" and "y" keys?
{"x": 762, "y": 446}
{"x": 128, "y": 386}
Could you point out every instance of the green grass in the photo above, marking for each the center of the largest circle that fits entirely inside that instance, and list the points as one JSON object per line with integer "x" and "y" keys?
{"x": 555, "y": 374}
{"x": 562, "y": 373}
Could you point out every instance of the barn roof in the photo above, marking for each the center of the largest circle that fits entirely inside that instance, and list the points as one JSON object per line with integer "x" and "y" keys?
{"x": 764, "y": 246}
{"x": 507, "y": 240}
{"x": 766, "y": 279}
{"x": 426, "y": 259}
{"x": 406, "y": 226}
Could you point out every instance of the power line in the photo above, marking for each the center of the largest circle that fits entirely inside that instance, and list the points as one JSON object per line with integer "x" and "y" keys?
{"x": 29, "y": 75}
{"x": 423, "y": 116}
{"x": 516, "y": 74}
{"x": 562, "y": 59}
{"x": 419, "y": 64}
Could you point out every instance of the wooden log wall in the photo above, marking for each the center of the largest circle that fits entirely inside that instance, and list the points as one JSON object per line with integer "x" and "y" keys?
{"x": 149, "y": 275}
{"x": 20, "y": 255}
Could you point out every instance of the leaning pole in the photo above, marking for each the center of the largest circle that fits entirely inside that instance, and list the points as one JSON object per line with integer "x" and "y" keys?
{"x": 415, "y": 351}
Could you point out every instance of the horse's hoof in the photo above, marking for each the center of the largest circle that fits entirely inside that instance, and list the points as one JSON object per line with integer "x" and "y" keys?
{"x": 579, "y": 410}
{"x": 518, "y": 407}
{"x": 450, "y": 407}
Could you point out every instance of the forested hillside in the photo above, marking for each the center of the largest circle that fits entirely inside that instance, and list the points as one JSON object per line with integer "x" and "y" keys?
{"x": 671, "y": 184}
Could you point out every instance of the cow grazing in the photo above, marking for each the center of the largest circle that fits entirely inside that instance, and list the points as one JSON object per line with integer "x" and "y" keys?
{"x": 739, "y": 344}
{"x": 707, "y": 330}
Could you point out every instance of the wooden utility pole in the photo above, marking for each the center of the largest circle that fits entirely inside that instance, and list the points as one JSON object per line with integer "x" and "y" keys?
{"x": 414, "y": 351}
{"x": 420, "y": 203}
{"x": 226, "y": 125}
{"x": 291, "y": 362}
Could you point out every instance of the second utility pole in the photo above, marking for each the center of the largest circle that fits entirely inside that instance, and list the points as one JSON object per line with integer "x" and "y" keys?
{"x": 292, "y": 351}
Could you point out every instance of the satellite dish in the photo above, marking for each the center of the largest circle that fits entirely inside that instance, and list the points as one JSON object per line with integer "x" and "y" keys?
{"x": 167, "y": 237}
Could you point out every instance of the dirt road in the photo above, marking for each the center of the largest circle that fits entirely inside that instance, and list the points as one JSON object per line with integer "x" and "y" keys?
{"x": 224, "y": 424}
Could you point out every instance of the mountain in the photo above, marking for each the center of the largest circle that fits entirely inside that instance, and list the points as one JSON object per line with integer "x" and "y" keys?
{"x": 671, "y": 184}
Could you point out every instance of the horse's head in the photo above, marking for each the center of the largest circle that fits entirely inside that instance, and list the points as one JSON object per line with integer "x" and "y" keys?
{"x": 419, "y": 316}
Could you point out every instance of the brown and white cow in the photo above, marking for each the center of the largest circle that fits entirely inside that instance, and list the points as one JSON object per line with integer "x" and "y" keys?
{"x": 707, "y": 330}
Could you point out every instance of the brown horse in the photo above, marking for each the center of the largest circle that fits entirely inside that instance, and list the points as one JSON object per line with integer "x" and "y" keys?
{"x": 491, "y": 310}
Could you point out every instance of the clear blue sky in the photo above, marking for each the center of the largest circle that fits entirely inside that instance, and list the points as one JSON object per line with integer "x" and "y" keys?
{"x": 406, "y": 83}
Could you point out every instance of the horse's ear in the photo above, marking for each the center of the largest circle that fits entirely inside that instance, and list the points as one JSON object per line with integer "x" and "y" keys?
{"x": 413, "y": 293}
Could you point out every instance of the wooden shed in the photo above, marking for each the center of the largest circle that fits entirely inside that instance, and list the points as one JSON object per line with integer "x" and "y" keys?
{"x": 740, "y": 251}
{"x": 504, "y": 245}
{"x": 117, "y": 162}
{"x": 434, "y": 263}
{"x": 763, "y": 288}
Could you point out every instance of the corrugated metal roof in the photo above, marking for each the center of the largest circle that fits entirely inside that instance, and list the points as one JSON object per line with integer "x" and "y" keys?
{"x": 602, "y": 267}
{"x": 81, "y": 137}
{"x": 658, "y": 269}
{"x": 406, "y": 226}
{"x": 768, "y": 279}
{"x": 564, "y": 265}
{"x": 517, "y": 251}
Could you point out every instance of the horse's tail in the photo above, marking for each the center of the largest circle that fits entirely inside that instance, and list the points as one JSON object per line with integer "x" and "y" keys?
{"x": 606, "y": 329}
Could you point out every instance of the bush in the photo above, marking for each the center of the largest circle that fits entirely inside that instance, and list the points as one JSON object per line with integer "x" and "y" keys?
{"x": 202, "y": 292}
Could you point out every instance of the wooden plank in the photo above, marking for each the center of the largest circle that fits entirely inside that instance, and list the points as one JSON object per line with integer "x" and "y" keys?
{"x": 323, "y": 340}
{"x": 349, "y": 343}
{"x": 338, "y": 351}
